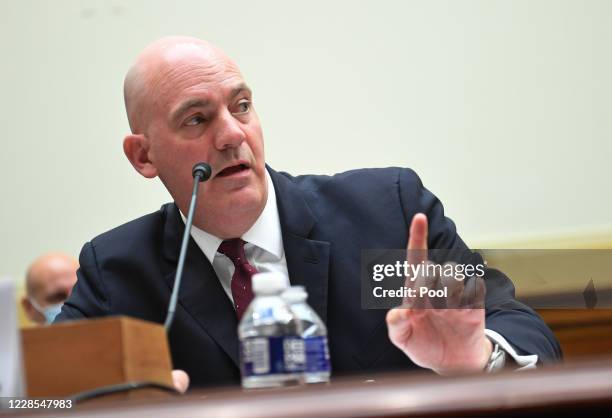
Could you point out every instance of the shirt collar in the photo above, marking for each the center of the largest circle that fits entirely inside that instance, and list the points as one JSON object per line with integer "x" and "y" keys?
{"x": 265, "y": 232}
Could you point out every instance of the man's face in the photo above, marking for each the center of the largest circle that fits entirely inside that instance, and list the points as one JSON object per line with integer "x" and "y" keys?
{"x": 54, "y": 283}
{"x": 49, "y": 283}
{"x": 202, "y": 111}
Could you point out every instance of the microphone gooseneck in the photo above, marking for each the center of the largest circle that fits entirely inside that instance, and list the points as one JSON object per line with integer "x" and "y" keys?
{"x": 201, "y": 172}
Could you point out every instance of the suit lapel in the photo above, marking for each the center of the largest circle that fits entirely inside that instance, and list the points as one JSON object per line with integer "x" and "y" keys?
{"x": 201, "y": 293}
{"x": 307, "y": 259}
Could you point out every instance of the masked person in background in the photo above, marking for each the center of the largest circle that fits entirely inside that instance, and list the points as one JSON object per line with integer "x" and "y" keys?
{"x": 49, "y": 282}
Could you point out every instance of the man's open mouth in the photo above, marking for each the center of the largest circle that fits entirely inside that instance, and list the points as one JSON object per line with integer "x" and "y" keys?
{"x": 228, "y": 171}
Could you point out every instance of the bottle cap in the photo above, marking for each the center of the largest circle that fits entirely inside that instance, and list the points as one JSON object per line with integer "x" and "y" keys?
{"x": 270, "y": 282}
{"x": 295, "y": 294}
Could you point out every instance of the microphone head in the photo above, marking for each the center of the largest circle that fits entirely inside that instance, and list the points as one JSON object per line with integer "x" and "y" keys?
{"x": 202, "y": 170}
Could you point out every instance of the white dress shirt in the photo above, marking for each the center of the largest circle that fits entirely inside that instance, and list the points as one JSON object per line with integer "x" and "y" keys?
{"x": 264, "y": 251}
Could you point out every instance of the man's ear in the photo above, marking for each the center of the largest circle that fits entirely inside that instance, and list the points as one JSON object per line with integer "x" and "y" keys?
{"x": 32, "y": 314}
{"x": 136, "y": 149}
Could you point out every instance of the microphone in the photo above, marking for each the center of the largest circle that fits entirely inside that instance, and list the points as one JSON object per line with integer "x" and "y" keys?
{"x": 201, "y": 172}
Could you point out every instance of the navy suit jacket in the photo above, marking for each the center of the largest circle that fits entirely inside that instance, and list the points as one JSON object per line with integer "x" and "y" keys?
{"x": 326, "y": 221}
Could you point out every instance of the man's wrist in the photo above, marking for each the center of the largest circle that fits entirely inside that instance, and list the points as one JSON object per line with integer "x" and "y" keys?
{"x": 483, "y": 360}
{"x": 497, "y": 359}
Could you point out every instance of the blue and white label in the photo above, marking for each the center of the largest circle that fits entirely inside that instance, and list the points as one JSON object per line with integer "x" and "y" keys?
{"x": 317, "y": 355}
{"x": 272, "y": 355}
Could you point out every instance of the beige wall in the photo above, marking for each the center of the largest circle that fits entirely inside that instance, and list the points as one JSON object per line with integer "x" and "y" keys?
{"x": 503, "y": 107}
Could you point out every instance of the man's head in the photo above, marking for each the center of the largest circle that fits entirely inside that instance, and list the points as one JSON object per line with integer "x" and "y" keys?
{"x": 188, "y": 102}
{"x": 49, "y": 281}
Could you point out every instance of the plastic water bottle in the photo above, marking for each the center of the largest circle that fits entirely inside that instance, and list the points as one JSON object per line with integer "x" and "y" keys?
{"x": 271, "y": 347}
{"x": 314, "y": 334}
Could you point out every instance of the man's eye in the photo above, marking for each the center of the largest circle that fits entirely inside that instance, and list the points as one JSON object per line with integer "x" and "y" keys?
{"x": 244, "y": 106}
{"x": 194, "y": 121}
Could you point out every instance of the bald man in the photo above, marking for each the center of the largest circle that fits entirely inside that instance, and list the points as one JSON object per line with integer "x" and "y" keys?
{"x": 173, "y": 95}
{"x": 187, "y": 102}
{"x": 49, "y": 281}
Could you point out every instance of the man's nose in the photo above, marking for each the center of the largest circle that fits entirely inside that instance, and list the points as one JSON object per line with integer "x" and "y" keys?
{"x": 229, "y": 133}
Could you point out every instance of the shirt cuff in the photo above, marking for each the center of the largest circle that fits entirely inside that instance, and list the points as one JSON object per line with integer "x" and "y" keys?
{"x": 524, "y": 362}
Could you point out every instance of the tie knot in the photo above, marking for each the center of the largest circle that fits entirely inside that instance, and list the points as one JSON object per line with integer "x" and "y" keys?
{"x": 234, "y": 250}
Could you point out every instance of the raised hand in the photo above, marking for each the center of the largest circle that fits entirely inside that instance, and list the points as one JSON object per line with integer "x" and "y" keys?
{"x": 445, "y": 340}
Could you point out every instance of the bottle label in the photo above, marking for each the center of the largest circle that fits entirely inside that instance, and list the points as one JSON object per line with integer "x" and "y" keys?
{"x": 317, "y": 354}
{"x": 272, "y": 355}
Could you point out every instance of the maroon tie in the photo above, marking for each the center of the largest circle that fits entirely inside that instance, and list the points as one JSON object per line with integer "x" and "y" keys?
{"x": 242, "y": 291}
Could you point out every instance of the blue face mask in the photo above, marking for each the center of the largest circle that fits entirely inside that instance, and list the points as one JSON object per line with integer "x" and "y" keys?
{"x": 50, "y": 312}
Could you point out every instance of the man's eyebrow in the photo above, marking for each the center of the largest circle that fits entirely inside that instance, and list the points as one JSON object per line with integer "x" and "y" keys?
{"x": 188, "y": 105}
{"x": 239, "y": 89}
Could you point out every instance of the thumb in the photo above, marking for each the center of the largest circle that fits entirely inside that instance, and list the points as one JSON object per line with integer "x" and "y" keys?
{"x": 399, "y": 325}
{"x": 180, "y": 380}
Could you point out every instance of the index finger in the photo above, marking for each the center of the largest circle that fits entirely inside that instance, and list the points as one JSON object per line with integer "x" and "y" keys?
{"x": 417, "y": 240}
